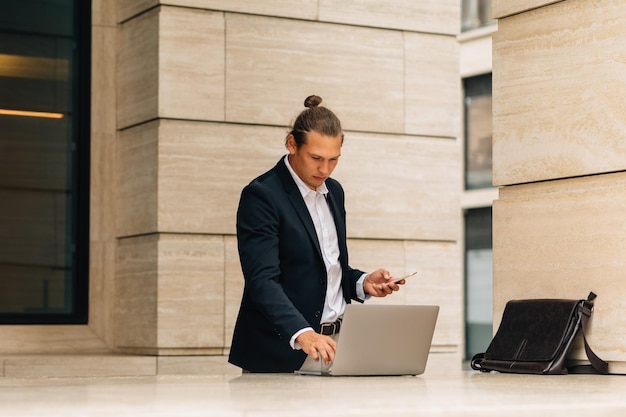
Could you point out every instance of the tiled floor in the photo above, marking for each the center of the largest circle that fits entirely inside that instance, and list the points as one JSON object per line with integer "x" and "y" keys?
{"x": 435, "y": 393}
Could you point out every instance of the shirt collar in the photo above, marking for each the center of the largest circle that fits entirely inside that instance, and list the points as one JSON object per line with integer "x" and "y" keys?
{"x": 304, "y": 189}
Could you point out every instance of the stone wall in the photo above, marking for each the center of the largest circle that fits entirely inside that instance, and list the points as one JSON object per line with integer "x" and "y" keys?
{"x": 560, "y": 158}
{"x": 191, "y": 100}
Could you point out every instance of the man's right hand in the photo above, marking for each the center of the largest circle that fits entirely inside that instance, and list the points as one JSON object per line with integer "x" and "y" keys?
{"x": 318, "y": 345}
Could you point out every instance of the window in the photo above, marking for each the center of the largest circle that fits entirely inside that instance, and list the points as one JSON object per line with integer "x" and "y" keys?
{"x": 478, "y": 280}
{"x": 475, "y": 14}
{"x": 478, "y": 233}
{"x": 44, "y": 160}
{"x": 478, "y": 132}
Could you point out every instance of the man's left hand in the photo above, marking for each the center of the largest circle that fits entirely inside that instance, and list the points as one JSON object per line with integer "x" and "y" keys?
{"x": 380, "y": 283}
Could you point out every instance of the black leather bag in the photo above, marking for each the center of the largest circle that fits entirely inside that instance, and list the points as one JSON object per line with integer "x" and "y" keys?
{"x": 535, "y": 337}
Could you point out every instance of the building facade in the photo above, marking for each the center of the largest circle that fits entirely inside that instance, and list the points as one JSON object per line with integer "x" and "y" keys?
{"x": 191, "y": 99}
{"x": 559, "y": 159}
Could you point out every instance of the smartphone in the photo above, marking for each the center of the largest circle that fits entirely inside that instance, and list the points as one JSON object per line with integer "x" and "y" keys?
{"x": 404, "y": 277}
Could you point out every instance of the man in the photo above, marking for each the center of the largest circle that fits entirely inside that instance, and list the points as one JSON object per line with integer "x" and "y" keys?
{"x": 291, "y": 232}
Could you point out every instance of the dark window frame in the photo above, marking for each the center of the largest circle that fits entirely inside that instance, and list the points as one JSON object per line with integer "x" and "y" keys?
{"x": 476, "y": 237}
{"x": 474, "y": 86}
{"x": 80, "y": 176}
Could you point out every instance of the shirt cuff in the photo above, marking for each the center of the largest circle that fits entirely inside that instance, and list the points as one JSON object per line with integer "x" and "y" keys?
{"x": 360, "y": 292}
{"x": 295, "y": 345}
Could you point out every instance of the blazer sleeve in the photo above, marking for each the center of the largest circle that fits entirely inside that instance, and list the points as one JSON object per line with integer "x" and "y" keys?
{"x": 258, "y": 233}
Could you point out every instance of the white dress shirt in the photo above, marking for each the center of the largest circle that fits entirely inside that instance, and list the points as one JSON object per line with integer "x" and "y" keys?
{"x": 315, "y": 200}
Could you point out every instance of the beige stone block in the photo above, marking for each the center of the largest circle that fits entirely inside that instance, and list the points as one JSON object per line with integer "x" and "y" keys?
{"x": 503, "y": 8}
{"x": 102, "y": 290}
{"x": 475, "y": 56}
{"x": 138, "y": 69}
{"x": 170, "y": 293}
{"x": 102, "y": 193}
{"x": 52, "y": 366}
{"x": 104, "y": 13}
{"x": 171, "y": 64}
{"x": 103, "y": 205}
{"x": 274, "y": 64}
{"x": 204, "y": 166}
{"x": 433, "y": 86}
{"x": 234, "y": 283}
{"x": 369, "y": 255}
{"x": 191, "y": 64}
{"x": 103, "y": 132}
{"x": 190, "y": 310}
{"x": 563, "y": 239}
{"x": 433, "y": 16}
{"x": 103, "y": 79}
{"x": 182, "y": 176}
{"x": 196, "y": 365}
{"x": 129, "y": 9}
{"x": 558, "y": 92}
{"x": 103, "y": 190}
{"x": 299, "y": 9}
{"x": 438, "y": 281}
{"x": 48, "y": 339}
{"x": 401, "y": 187}
{"x": 136, "y": 293}
{"x": 137, "y": 180}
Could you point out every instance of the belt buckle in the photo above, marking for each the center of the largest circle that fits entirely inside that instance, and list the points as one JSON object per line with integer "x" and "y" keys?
{"x": 329, "y": 329}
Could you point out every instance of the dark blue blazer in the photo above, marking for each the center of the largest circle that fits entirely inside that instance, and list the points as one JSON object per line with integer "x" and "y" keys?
{"x": 283, "y": 268}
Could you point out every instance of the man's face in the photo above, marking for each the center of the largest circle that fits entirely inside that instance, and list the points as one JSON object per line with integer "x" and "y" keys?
{"x": 316, "y": 159}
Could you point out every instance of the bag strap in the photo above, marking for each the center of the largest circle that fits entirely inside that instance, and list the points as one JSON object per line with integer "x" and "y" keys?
{"x": 476, "y": 361}
{"x": 597, "y": 364}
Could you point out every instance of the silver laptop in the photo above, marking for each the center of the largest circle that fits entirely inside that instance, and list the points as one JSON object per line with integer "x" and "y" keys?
{"x": 382, "y": 340}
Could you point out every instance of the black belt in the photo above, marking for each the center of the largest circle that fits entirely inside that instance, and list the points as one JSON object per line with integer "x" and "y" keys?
{"x": 329, "y": 329}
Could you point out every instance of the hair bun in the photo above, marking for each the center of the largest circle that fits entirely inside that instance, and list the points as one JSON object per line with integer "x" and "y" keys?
{"x": 312, "y": 101}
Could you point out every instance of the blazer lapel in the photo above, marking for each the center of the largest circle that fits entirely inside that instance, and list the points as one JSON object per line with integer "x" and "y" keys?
{"x": 339, "y": 222}
{"x": 298, "y": 203}
{"x": 340, "y": 225}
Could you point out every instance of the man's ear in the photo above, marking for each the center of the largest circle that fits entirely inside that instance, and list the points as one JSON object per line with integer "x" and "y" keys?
{"x": 291, "y": 144}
